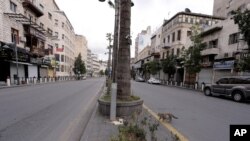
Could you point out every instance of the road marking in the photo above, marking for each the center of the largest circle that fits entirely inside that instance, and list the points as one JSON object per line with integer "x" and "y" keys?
{"x": 166, "y": 125}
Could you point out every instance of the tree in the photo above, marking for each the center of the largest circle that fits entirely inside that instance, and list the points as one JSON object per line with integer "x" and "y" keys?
{"x": 79, "y": 66}
{"x": 192, "y": 56}
{"x": 101, "y": 72}
{"x": 123, "y": 65}
{"x": 168, "y": 66}
{"x": 242, "y": 18}
{"x": 154, "y": 67}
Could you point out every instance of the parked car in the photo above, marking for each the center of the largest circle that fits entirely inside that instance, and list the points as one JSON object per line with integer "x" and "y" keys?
{"x": 238, "y": 88}
{"x": 139, "y": 79}
{"x": 154, "y": 81}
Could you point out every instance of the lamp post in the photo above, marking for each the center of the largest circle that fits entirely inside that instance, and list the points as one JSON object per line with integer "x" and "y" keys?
{"x": 14, "y": 37}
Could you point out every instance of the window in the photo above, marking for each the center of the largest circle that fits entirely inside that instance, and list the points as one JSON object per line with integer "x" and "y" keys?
{"x": 62, "y": 36}
{"x": 50, "y": 16}
{"x": 13, "y": 6}
{"x": 14, "y": 36}
{"x": 191, "y": 20}
{"x": 56, "y": 34}
{"x": 223, "y": 81}
{"x": 56, "y": 45}
{"x": 173, "y": 37}
{"x": 57, "y": 57}
{"x": 62, "y": 58}
{"x": 167, "y": 54}
{"x": 172, "y": 53}
{"x": 42, "y": 25}
{"x": 62, "y": 24}
{"x": 168, "y": 38}
{"x": 62, "y": 68}
{"x": 233, "y": 38}
{"x": 178, "y": 52}
{"x": 189, "y": 33}
{"x": 41, "y": 6}
{"x": 179, "y": 35}
{"x": 186, "y": 20}
{"x": 50, "y": 32}
{"x": 164, "y": 40}
{"x": 56, "y": 22}
{"x": 213, "y": 44}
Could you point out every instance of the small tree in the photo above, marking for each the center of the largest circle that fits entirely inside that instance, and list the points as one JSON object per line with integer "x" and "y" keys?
{"x": 193, "y": 54}
{"x": 79, "y": 66}
{"x": 154, "y": 67}
{"x": 168, "y": 66}
{"x": 101, "y": 73}
{"x": 242, "y": 18}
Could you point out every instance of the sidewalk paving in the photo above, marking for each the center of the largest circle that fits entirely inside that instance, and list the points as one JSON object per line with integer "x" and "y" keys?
{"x": 100, "y": 128}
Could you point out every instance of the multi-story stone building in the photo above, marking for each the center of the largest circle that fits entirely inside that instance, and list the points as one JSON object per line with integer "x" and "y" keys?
{"x": 89, "y": 63}
{"x": 81, "y": 47}
{"x": 142, "y": 40}
{"x": 176, "y": 34}
{"x": 95, "y": 65}
{"x": 42, "y": 33}
{"x": 21, "y": 34}
{"x": 223, "y": 43}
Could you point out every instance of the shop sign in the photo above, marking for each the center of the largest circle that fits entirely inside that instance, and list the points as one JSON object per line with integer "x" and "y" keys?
{"x": 38, "y": 61}
{"x": 46, "y": 61}
{"x": 224, "y": 65}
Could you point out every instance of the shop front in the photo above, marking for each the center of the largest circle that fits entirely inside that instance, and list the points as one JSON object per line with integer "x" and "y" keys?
{"x": 223, "y": 68}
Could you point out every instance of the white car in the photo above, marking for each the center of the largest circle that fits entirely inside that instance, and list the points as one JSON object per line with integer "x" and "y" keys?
{"x": 154, "y": 81}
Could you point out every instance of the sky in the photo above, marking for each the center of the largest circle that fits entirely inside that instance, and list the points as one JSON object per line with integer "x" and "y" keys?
{"x": 94, "y": 19}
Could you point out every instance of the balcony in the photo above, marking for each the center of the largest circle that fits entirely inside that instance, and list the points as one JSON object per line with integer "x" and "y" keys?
{"x": 166, "y": 46}
{"x": 29, "y": 4}
{"x": 207, "y": 64}
{"x": 38, "y": 52}
{"x": 212, "y": 50}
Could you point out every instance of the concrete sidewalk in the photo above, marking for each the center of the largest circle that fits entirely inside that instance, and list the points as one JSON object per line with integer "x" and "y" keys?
{"x": 100, "y": 128}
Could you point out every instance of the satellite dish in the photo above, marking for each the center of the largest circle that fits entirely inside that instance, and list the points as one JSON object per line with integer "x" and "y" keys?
{"x": 187, "y": 10}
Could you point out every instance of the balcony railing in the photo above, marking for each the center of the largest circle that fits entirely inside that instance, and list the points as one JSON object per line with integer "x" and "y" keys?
{"x": 29, "y": 4}
{"x": 38, "y": 51}
{"x": 212, "y": 50}
{"x": 207, "y": 64}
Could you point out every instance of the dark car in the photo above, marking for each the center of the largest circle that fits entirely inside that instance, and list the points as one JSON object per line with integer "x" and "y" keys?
{"x": 238, "y": 88}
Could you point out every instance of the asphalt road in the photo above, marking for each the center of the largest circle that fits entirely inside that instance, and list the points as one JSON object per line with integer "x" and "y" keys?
{"x": 48, "y": 112}
{"x": 201, "y": 118}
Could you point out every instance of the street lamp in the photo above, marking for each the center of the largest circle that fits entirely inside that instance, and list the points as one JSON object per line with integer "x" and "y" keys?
{"x": 14, "y": 38}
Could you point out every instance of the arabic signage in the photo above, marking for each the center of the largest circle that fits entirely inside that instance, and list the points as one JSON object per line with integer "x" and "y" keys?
{"x": 223, "y": 65}
{"x": 38, "y": 61}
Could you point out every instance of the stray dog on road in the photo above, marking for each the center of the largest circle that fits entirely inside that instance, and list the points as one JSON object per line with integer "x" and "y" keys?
{"x": 166, "y": 117}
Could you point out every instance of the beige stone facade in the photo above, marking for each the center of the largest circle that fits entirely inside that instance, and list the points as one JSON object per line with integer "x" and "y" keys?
{"x": 81, "y": 47}
{"x": 43, "y": 32}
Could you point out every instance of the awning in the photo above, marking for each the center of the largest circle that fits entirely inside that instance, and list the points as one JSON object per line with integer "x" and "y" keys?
{"x": 23, "y": 63}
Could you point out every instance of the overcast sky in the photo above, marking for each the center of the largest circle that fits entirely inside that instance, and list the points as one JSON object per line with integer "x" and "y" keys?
{"x": 94, "y": 19}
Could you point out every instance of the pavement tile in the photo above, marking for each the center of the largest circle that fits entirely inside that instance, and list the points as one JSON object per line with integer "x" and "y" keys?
{"x": 99, "y": 128}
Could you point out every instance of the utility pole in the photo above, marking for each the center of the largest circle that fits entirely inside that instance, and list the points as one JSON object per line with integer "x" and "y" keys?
{"x": 15, "y": 39}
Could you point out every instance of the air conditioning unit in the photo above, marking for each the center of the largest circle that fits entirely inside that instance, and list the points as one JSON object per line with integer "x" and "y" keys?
{"x": 22, "y": 39}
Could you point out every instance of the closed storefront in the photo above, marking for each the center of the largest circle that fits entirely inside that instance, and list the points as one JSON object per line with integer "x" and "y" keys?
{"x": 13, "y": 71}
{"x": 222, "y": 69}
{"x": 205, "y": 76}
{"x": 43, "y": 71}
{"x": 32, "y": 71}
